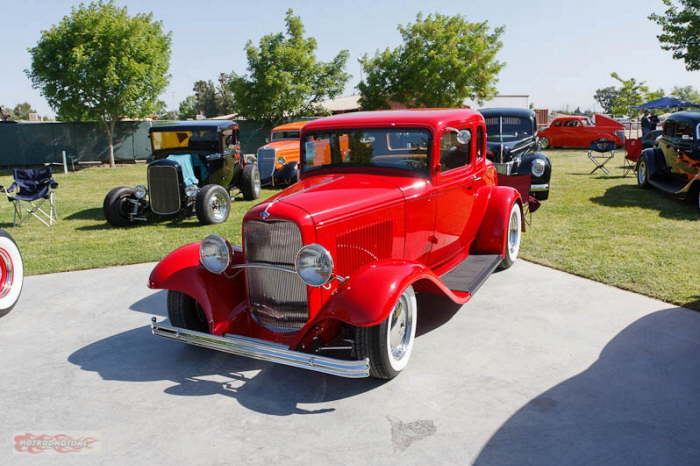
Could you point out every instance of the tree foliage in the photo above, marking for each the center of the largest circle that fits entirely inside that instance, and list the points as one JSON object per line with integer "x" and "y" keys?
{"x": 687, "y": 93}
{"x": 99, "y": 63}
{"x": 442, "y": 61}
{"x": 284, "y": 78}
{"x": 188, "y": 108}
{"x": 20, "y": 111}
{"x": 606, "y": 97}
{"x": 632, "y": 93}
{"x": 214, "y": 99}
{"x": 680, "y": 26}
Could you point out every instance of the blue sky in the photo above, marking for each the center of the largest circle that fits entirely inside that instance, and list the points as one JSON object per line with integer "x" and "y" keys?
{"x": 554, "y": 51}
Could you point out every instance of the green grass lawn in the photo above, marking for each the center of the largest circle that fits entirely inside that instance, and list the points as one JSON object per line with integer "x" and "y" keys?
{"x": 608, "y": 229}
{"x": 601, "y": 227}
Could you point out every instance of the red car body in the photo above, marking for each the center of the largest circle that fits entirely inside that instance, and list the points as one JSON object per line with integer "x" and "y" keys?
{"x": 580, "y": 131}
{"x": 385, "y": 227}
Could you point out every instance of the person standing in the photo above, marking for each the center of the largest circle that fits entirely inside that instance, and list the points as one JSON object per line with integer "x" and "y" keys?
{"x": 653, "y": 122}
{"x": 645, "y": 123}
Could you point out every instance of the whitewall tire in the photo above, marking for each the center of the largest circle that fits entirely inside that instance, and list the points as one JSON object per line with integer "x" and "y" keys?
{"x": 11, "y": 273}
{"x": 513, "y": 234}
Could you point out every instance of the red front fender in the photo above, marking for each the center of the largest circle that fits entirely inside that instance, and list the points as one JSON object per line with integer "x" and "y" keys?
{"x": 372, "y": 291}
{"x": 217, "y": 295}
{"x": 493, "y": 232}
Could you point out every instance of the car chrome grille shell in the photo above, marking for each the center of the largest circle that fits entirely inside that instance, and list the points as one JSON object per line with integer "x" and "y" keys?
{"x": 266, "y": 162}
{"x": 164, "y": 189}
{"x": 278, "y": 299}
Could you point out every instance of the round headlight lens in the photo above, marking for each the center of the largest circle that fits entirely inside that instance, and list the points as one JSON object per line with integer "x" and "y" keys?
{"x": 314, "y": 265}
{"x": 191, "y": 190}
{"x": 140, "y": 191}
{"x": 281, "y": 161}
{"x": 215, "y": 254}
{"x": 538, "y": 167}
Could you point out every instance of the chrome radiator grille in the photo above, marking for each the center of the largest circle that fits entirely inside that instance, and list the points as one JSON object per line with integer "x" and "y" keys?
{"x": 164, "y": 189}
{"x": 277, "y": 298}
{"x": 266, "y": 163}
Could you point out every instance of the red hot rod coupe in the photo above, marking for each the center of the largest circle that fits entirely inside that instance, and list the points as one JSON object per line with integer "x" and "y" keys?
{"x": 581, "y": 131}
{"x": 390, "y": 204}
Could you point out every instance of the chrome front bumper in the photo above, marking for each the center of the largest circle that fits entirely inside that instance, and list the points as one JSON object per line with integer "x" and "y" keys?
{"x": 263, "y": 350}
{"x": 539, "y": 187}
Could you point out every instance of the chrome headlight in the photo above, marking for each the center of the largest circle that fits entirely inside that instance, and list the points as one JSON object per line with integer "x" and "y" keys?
{"x": 314, "y": 265}
{"x": 538, "y": 167}
{"x": 140, "y": 191}
{"x": 281, "y": 161}
{"x": 191, "y": 190}
{"x": 215, "y": 254}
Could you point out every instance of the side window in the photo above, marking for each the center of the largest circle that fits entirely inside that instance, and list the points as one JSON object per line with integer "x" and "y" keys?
{"x": 452, "y": 153}
{"x": 684, "y": 131}
{"x": 558, "y": 123}
{"x": 479, "y": 143}
{"x": 668, "y": 128}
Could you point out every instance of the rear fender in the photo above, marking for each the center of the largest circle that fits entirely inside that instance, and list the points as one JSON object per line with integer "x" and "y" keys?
{"x": 218, "y": 295}
{"x": 654, "y": 158}
{"x": 492, "y": 235}
{"x": 369, "y": 296}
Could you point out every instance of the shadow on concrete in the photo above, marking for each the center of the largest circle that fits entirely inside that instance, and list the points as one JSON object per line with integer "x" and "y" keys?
{"x": 668, "y": 206}
{"x": 138, "y": 356}
{"x": 638, "y": 404}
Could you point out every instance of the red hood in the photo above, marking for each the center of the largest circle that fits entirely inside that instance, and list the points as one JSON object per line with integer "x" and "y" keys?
{"x": 602, "y": 120}
{"x": 331, "y": 197}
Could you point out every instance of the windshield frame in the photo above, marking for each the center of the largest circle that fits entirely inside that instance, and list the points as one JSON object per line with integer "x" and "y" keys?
{"x": 498, "y": 137}
{"x": 426, "y": 173}
{"x": 274, "y": 139}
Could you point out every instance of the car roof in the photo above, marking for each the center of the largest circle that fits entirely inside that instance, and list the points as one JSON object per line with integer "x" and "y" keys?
{"x": 430, "y": 117}
{"x": 686, "y": 117}
{"x": 291, "y": 126}
{"x": 507, "y": 111}
{"x": 219, "y": 125}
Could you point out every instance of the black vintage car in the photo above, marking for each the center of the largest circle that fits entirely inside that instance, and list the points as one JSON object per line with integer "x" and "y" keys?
{"x": 673, "y": 164}
{"x": 195, "y": 166}
{"x": 512, "y": 146}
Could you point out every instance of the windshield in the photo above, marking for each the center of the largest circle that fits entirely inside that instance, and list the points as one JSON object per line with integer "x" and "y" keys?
{"x": 277, "y": 135}
{"x": 190, "y": 139}
{"x": 504, "y": 129}
{"x": 405, "y": 149}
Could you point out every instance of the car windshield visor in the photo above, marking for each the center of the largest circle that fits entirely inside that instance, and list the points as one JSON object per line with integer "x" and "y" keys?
{"x": 508, "y": 128}
{"x": 404, "y": 149}
{"x": 279, "y": 135}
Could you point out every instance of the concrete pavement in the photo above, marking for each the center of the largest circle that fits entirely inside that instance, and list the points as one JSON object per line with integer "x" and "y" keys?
{"x": 541, "y": 367}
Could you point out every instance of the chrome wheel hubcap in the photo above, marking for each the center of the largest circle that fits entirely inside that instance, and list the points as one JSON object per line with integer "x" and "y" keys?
{"x": 514, "y": 235}
{"x": 400, "y": 329}
{"x": 642, "y": 172}
{"x": 218, "y": 206}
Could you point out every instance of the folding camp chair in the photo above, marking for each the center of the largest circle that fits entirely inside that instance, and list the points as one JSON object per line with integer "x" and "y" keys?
{"x": 600, "y": 153}
{"x": 634, "y": 151}
{"x": 34, "y": 188}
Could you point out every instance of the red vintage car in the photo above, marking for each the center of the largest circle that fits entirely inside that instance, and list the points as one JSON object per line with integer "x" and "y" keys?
{"x": 581, "y": 131}
{"x": 390, "y": 204}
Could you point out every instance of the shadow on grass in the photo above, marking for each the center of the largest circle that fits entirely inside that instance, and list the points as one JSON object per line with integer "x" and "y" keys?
{"x": 667, "y": 205}
{"x": 94, "y": 213}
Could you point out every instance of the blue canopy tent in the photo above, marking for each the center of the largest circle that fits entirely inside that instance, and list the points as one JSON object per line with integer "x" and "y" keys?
{"x": 667, "y": 102}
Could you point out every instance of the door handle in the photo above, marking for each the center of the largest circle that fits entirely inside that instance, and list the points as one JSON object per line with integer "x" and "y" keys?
{"x": 476, "y": 178}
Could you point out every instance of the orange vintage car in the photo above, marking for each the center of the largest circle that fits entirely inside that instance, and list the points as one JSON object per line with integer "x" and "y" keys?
{"x": 581, "y": 131}
{"x": 278, "y": 160}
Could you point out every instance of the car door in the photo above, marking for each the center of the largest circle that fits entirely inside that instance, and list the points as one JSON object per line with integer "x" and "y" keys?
{"x": 668, "y": 142}
{"x": 453, "y": 194}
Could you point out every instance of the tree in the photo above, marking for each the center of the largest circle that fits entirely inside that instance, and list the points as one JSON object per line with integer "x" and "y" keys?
{"x": 632, "y": 93}
{"x": 680, "y": 26}
{"x": 101, "y": 64}
{"x": 22, "y": 111}
{"x": 687, "y": 93}
{"x": 606, "y": 97}
{"x": 442, "y": 61}
{"x": 284, "y": 78}
{"x": 205, "y": 95}
{"x": 187, "y": 109}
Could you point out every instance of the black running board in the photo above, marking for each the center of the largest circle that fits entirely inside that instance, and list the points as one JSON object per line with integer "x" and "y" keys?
{"x": 471, "y": 273}
{"x": 670, "y": 188}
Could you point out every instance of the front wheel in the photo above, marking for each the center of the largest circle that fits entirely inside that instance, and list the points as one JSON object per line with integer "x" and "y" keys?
{"x": 389, "y": 344}
{"x": 643, "y": 173}
{"x": 117, "y": 206}
{"x": 250, "y": 182}
{"x": 513, "y": 232}
{"x": 544, "y": 143}
{"x": 11, "y": 273}
{"x": 213, "y": 204}
{"x": 184, "y": 312}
